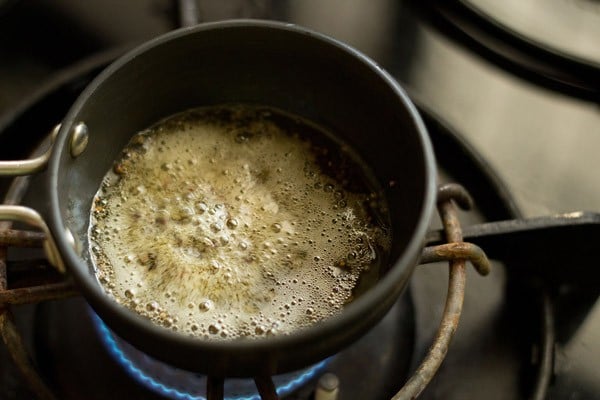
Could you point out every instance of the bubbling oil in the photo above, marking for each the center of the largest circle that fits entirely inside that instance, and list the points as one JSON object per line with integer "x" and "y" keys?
{"x": 236, "y": 221}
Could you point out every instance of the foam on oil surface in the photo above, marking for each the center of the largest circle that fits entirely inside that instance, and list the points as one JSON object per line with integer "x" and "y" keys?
{"x": 224, "y": 223}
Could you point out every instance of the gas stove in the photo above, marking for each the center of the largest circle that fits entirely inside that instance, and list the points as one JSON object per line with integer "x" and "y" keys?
{"x": 523, "y": 148}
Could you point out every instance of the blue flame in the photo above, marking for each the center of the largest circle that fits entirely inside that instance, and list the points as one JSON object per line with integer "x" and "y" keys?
{"x": 286, "y": 384}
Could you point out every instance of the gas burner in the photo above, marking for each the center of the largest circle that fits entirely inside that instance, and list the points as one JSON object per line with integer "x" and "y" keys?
{"x": 178, "y": 384}
{"x": 121, "y": 371}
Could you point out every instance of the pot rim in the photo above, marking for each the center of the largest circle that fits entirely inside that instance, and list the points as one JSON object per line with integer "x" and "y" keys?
{"x": 355, "y": 310}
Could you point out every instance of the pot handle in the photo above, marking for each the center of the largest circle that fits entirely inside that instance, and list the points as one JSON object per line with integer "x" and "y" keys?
{"x": 31, "y": 217}
{"x": 26, "y": 214}
{"x": 31, "y": 166}
{"x": 456, "y": 252}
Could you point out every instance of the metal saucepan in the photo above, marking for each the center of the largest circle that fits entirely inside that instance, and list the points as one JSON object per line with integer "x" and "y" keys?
{"x": 267, "y": 63}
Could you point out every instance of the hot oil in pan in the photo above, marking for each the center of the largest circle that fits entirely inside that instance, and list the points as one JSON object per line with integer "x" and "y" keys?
{"x": 237, "y": 221}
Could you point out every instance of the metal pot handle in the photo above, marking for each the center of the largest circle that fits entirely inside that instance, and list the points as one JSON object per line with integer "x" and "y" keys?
{"x": 31, "y": 217}
{"x": 31, "y": 166}
{"x": 26, "y": 214}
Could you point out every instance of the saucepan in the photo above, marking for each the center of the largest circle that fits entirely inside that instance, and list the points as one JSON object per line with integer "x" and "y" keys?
{"x": 258, "y": 62}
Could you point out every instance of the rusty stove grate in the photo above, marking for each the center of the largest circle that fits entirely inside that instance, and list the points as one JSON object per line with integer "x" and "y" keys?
{"x": 36, "y": 281}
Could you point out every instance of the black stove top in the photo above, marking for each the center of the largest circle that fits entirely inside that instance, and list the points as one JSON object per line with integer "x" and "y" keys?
{"x": 527, "y": 330}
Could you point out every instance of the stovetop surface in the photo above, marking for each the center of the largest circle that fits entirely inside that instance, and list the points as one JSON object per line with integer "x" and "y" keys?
{"x": 488, "y": 352}
{"x": 542, "y": 144}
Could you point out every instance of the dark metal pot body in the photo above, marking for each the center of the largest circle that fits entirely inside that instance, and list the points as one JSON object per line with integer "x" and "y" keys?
{"x": 266, "y": 63}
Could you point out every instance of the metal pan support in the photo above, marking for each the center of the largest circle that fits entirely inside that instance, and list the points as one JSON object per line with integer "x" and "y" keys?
{"x": 43, "y": 283}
